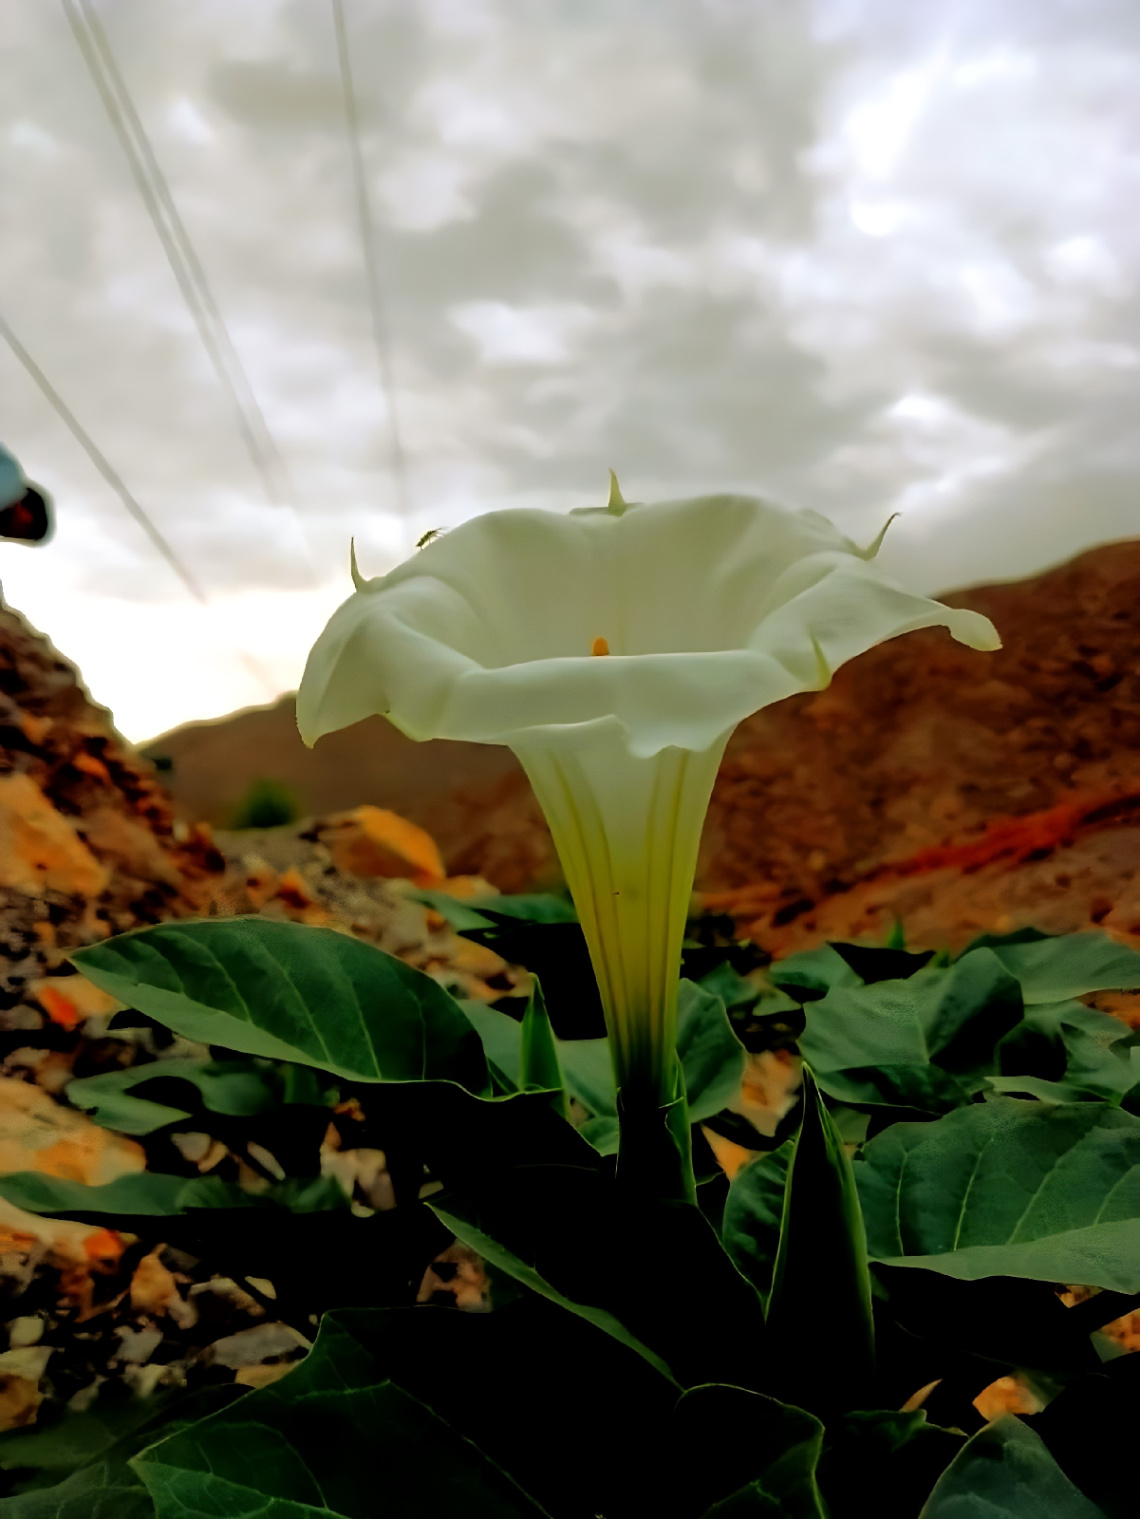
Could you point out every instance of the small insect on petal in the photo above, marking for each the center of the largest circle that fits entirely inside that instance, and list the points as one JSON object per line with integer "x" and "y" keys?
{"x": 599, "y": 646}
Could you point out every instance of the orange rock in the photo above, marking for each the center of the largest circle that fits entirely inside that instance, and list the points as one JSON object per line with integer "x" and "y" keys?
{"x": 39, "y": 848}
{"x": 59, "y": 1008}
{"x": 153, "y": 1285}
{"x": 730, "y": 1156}
{"x": 129, "y": 844}
{"x": 82, "y": 997}
{"x": 105, "y": 1245}
{"x": 91, "y": 766}
{"x": 39, "y": 1134}
{"x": 295, "y": 893}
{"x": 1008, "y": 1395}
{"x": 370, "y": 841}
{"x": 476, "y": 959}
{"x": 35, "y": 728}
{"x": 20, "y": 1399}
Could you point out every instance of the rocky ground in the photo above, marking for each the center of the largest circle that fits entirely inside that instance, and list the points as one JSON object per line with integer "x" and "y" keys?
{"x": 90, "y": 846}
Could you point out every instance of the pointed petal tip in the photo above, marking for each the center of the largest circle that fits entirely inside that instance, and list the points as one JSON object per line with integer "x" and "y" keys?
{"x": 872, "y": 549}
{"x": 617, "y": 502}
{"x": 358, "y": 579}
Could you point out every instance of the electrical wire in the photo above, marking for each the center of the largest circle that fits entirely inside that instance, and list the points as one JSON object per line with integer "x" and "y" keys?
{"x": 112, "y": 477}
{"x": 117, "y": 484}
{"x": 380, "y": 332}
{"x": 184, "y": 262}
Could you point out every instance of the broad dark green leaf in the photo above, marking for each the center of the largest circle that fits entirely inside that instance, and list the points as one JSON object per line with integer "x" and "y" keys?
{"x": 589, "y": 1071}
{"x": 292, "y": 992}
{"x": 104, "y": 1490}
{"x": 1066, "y": 1052}
{"x": 151, "y": 1194}
{"x": 1069, "y": 965}
{"x": 576, "y": 1418}
{"x": 820, "y": 1345}
{"x": 536, "y": 907}
{"x": 583, "y": 1241}
{"x": 750, "y": 1229}
{"x": 925, "y": 1042}
{"x": 77, "y": 1465}
{"x": 331, "y": 1438}
{"x": 772, "y": 1449}
{"x": 1005, "y": 1472}
{"x": 501, "y": 1036}
{"x": 897, "y": 1456}
{"x": 1009, "y": 1188}
{"x": 712, "y": 1057}
{"x": 736, "y": 992}
{"x": 237, "y": 1088}
{"x": 813, "y": 972}
{"x": 517, "y": 1265}
{"x": 1090, "y": 1429}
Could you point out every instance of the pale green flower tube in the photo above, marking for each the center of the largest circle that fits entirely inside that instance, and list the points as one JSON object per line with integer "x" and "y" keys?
{"x": 614, "y": 650}
{"x": 626, "y": 830}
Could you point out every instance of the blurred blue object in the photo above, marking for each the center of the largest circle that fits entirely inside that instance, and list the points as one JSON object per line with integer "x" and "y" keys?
{"x": 25, "y": 511}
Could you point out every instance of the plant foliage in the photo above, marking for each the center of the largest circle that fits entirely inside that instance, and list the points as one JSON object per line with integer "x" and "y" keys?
{"x": 967, "y": 1141}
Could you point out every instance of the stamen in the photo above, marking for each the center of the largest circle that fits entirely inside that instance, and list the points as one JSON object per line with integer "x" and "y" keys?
{"x": 599, "y": 646}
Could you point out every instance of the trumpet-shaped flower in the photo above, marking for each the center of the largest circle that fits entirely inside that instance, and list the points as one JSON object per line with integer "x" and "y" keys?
{"x": 614, "y": 650}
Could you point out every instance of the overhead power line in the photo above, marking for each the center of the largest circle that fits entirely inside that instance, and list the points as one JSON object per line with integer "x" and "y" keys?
{"x": 180, "y": 253}
{"x": 112, "y": 477}
{"x": 380, "y": 332}
{"x": 117, "y": 484}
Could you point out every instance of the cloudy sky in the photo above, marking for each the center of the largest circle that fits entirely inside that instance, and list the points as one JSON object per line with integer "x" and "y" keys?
{"x": 861, "y": 255}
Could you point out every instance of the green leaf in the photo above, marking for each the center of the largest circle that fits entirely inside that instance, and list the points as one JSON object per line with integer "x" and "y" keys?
{"x": 292, "y": 992}
{"x": 813, "y": 971}
{"x": 1074, "y": 1052}
{"x": 1009, "y": 1188}
{"x": 456, "y": 913}
{"x": 712, "y": 1057}
{"x": 820, "y": 1333}
{"x": 538, "y": 907}
{"x": 575, "y": 1417}
{"x": 603, "y": 1133}
{"x": 104, "y": 1490}
{"x": 925, "y": 1042}
{"x": 467, "y": 1229}
{"x": 1070, "y": 965}
{"x": 539, "y": 1070}
{"x": 776, "y": 1446}
{"x": 329, "y": 1439}
{"x": 234, "y": 1087}
{"x": 152, "y": 1194}
{"x": 737, "y": 992}
{"x": 750, "y": 1229}
{"x": 501, "y": 1036}
{"x": 897, "y": 1456}
{"x": 80, "y": 1460}
{"x": 589, "y": 1071}
{"x": 1005, "y": 1472}
{"x": 572, "y": 1234}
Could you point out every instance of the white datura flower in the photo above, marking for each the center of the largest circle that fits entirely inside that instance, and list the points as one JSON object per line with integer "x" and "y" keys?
{"x": 614, "y": 650}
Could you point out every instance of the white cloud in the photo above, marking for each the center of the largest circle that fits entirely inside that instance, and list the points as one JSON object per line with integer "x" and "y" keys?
{"x": 852, "y": 254}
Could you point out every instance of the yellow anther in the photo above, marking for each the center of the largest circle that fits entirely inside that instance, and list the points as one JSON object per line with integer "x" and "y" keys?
{"x": 599, "y": 646}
